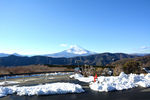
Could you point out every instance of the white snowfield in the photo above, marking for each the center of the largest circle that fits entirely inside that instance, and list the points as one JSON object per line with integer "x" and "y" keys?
{"x": 47, "y": 89}
{"x": 121, "y": 82}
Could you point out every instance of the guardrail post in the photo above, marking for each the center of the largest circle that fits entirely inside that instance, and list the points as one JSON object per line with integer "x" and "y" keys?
{"x": 5, "y": 80}
{"x": 23, "y": 78}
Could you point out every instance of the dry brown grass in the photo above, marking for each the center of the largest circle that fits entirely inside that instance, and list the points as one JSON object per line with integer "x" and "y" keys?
{"x": 30, "y": 69}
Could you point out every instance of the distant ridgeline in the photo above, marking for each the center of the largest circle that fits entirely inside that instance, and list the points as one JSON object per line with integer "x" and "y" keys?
{"x": 97, "y": 59}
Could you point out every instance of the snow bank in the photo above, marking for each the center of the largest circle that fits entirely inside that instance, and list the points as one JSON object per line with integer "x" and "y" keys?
{"x": 8, "y": 82}
{"x": 4, "y": 91}
{"x": 53, "y": 88}
{"x": 121, "y": 82}
{"x": 81, "y": 78}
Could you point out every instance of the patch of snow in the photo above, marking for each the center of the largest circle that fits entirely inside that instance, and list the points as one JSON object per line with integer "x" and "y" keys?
{"x": 4, "y": 91}
{"x": 59, "y": 73}
{"x": 76, "y": 76}
{"x": 53, "y": 88}
{"x": 147, "y": 76}
{"x": 8, "y": 82}
{"x": 81, "y": 78}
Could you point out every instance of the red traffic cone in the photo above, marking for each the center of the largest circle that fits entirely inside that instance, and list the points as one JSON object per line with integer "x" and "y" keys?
{"x": 95, "y": 77}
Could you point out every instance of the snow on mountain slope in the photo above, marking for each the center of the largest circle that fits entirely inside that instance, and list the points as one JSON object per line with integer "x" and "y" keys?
{"x": 76, "y": 50}
{"x": 73, "y": 51}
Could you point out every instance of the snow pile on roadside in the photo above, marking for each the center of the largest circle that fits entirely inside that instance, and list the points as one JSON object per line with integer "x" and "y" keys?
{"x": 4, "y": 91}
{"x": 8, "y": 82}
{"x": 53, "y": 88}
{"x": 81, "y": 78}
{"x": 121, "y": 82}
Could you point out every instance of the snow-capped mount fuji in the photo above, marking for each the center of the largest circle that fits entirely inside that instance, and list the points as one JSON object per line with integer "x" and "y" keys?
{"x": 73, "y": 51}
{"x": 78, "y": 50}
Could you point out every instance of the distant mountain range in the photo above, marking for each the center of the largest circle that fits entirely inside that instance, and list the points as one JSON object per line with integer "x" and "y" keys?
{"x": 140, "y": 54}
{"x": 6, "y": 55}
{"x": 73, "y": 56}
{"x": 73, "y": 51}
{"x": 97, "y": 59}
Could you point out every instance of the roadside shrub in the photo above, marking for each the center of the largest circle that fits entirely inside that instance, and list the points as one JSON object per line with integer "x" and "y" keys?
{"x": 99, "y": 71}
{"x": 117, "y": 70}
{"x": 131, "y": 67}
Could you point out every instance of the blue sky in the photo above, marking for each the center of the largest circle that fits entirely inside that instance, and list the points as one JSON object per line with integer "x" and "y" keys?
{"x": 42, "y": 26}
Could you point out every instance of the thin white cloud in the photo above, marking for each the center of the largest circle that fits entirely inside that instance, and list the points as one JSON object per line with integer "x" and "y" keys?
{"x": 68, "y": 45}
{"x": 145, "y": 47}
{"x": 63, "y": 45}
{"x": 73, "y": 46}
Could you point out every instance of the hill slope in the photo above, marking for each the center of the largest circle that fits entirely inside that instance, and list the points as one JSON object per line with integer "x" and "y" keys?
{"x": 143, "y": 61}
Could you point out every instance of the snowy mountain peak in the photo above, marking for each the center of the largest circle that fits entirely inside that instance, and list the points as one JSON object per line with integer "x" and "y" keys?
{"x": 73, "y": 51}
{"x": 76, "y": 50}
